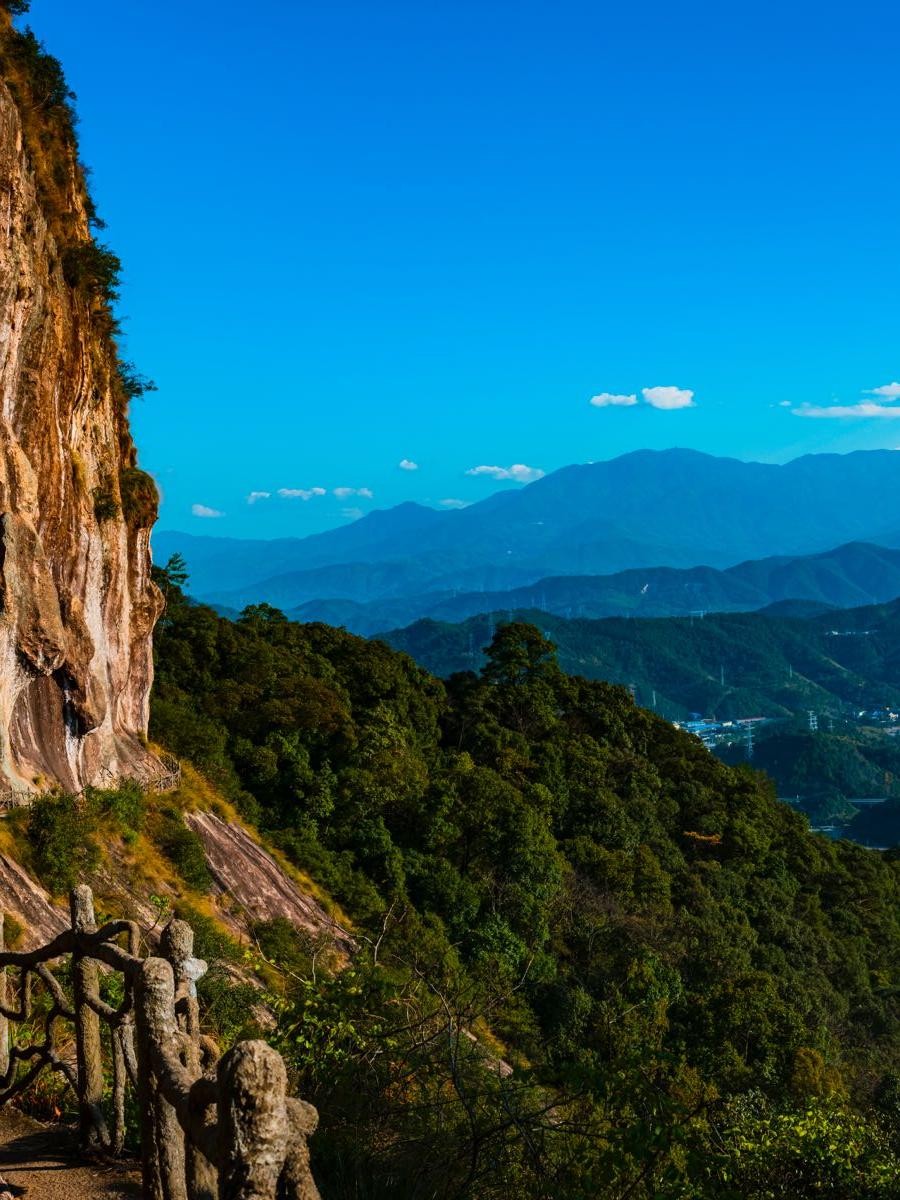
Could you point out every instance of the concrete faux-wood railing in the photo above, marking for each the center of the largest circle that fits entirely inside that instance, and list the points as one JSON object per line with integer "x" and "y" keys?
{"x": 210, "y": 1128}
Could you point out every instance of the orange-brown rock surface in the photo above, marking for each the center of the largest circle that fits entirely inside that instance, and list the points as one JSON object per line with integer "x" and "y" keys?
{"x": 77, "y": 605}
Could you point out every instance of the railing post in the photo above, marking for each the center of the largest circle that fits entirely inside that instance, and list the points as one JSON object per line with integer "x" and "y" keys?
{"x": 177, "y": 945}
{"x": 253, "y": 1125}
{"x": 297, "y": 1182}
{"x": 119, "y": 1081}
{"x": 162, "y": 1140}
{"x": 86, "y": 987}
{"x": 124, "y": 1062}
{"x": 4, "y": 1023}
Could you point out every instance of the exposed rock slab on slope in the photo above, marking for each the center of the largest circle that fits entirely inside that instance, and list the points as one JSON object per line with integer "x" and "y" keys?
{"x": 256, "y": 881}
{"x": 29, "y": 904}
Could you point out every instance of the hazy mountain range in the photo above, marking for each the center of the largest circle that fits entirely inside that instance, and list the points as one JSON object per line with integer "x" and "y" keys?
{"x": 849, "y": 575}
{"x": 666, "y": 509}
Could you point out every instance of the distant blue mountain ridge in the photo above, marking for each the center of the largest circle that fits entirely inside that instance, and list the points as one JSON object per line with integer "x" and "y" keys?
{"x": 713, "y": 532}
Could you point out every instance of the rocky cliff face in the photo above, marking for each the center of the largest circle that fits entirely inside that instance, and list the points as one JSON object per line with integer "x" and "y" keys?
{"x": 78, "y": 604}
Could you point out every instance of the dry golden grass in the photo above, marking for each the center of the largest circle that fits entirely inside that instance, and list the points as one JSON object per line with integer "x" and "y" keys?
{"x": 134, "y": 878}
{"x": 9, "y": 842}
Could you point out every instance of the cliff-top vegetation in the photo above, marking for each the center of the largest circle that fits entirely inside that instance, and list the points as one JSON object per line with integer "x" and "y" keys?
{"x": 46, "y": 106}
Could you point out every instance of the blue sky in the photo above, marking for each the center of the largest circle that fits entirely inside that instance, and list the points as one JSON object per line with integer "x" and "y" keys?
{"x": 358, "y": 233}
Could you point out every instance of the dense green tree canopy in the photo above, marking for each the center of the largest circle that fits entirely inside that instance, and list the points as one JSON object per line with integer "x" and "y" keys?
{"x": 670, "y": 960}
{"x": 723, "y": 664}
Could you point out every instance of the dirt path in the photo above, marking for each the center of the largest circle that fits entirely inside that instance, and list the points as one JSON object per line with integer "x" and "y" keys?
{"x": 38, "y": 1162}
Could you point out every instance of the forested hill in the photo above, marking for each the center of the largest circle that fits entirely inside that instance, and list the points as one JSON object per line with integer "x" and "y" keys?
{"x": 596, "y": 961}
{"x": 730, "y": 665}
{"x": 823, "y": 771}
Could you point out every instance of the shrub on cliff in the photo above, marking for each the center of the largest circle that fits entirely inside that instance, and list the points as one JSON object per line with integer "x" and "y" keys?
{"x": 132, "y": 382}
{"x": 38, "y": 83}
{"x": 94, "y": 269}
{"x": 182, "y": 847}
{"x": 60, "y": 837}
{"x": 46, "y": 80}
{"x": 140, "y": 497}
{"x": 62, "y": 831}
{"x": 125, "y": 805}
{"x": 106, "y": 507}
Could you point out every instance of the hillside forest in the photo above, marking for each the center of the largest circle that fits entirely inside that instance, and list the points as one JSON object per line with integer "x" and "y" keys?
{"x": 777, "y": 662}
{"x": 594, "y": 960}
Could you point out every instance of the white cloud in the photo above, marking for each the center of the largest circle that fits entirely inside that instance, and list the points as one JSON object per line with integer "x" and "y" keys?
{"x": 344, "y": 493}
{"x": 668, "y": 398}
{"x": 612, "y": 400}
{"x": 785, "y": 404}
{"x": 888, "y": 391}
{"x": 254, "y": 497}
{"x": 452, "y": 503}
{"x": 352, "y": 514}
{"x": 407, "y": 464}
{"x": 518, "y": 471}
{"x": 203, "y": 510}
{"x": 301, "y": 493}
{"x": 846, "y": 411}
